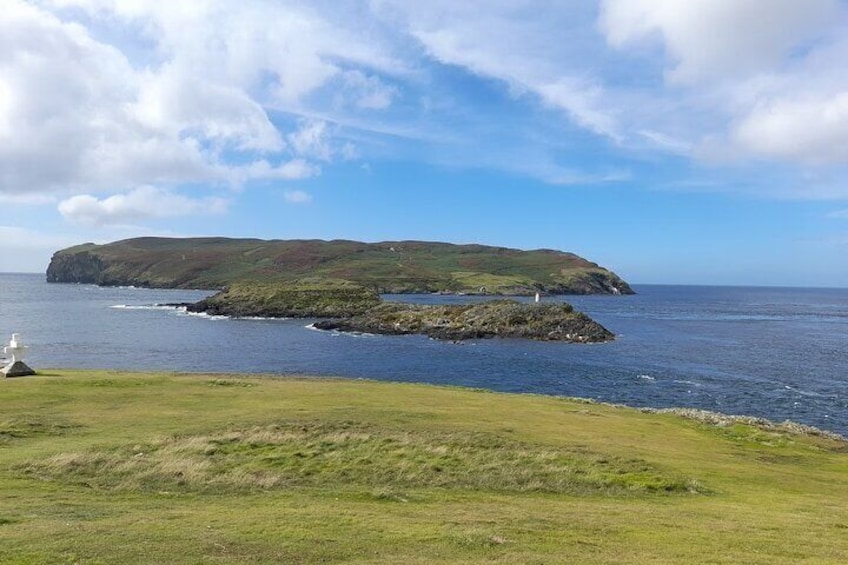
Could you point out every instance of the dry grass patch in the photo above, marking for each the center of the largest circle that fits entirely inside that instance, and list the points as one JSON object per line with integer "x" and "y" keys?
{"x": 32, "y": 425}
{"x": 307, "y": 454}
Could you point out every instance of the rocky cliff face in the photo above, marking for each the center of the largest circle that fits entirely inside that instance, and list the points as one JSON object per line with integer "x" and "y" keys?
{"x": 79, "y": 267}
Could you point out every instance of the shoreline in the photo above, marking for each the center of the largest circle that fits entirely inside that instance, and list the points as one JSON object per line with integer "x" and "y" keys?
{"x": 706, "y": 417}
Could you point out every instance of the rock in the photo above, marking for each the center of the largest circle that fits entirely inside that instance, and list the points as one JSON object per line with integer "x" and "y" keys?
{"x": 17, "y": 369}
{"x": 80, "y": 267}
{"x": 353, "y": 308}
{"x": 498, "y": 318}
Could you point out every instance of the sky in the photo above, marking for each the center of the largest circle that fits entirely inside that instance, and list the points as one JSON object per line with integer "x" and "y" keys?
{"x": 697, "y": 142}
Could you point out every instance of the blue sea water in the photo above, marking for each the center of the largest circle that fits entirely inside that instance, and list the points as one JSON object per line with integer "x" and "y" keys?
{"x": 779, "y": 353}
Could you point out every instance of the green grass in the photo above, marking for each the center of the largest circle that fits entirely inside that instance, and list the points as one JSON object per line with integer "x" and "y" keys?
{"x": 302, "y": 298}
{"x": 389, "y": 267}
{"x": 474, "y": 282}
{"x": 106, "y": 467}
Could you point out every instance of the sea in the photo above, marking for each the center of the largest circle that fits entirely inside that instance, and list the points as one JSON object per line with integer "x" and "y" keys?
{"x": 775, "y": 353}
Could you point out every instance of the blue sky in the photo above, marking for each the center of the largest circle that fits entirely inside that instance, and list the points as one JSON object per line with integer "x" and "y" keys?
{"x": 698, "y": 142}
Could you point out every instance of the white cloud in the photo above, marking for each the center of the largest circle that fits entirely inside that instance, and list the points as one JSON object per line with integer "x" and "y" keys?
{"x": 760, "y": 79}
{"x": 18, "y": 200}
{"x": 111, "y": 94}
{"x": 814, "y": 130}
{"x": 174, "y": 101}
{"x": 584, "y": 101}
{"x": 100, "y": 96}
{"x": 312, "y": 139}
{"x": 666, "y": 141}
{"x": 709, "y": 39}
{"x": 140, "y": 204}
{"x": 369, "y": 91}
{"x": 534, "y": 47}
{"x": 5, "y": 109}
{"x": 295, "y": 169}
{"x": 297, "y": 197}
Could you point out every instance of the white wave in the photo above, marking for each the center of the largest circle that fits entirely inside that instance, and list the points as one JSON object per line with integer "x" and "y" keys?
{"x": 184, "y": 312}
{"x": 145, "y": 307}
{"x": 646, "y": 377}
{"x": 336, "y": 333}
{"x": 807, "y": 393}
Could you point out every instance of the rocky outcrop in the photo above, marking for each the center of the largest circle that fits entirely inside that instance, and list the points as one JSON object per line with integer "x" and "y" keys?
{"x": 347, "y": 307}
{"x": 311, "y": 299}
{"x": 499, "y": 318}
{"x": 79, "y": 267}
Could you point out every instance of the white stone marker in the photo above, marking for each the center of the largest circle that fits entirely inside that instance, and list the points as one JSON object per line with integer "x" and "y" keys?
{"x": 16, "y": 351}
{"x": 15, "y": 348}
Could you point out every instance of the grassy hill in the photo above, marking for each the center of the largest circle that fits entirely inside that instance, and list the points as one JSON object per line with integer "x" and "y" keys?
{"x": 388, "y": 267}
{"x": 107, "y": 467}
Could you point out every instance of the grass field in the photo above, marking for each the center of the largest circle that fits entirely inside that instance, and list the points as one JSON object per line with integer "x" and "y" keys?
{"x": 104, "y": 467}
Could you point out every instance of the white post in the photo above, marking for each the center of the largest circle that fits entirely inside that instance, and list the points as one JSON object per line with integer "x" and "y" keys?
{"x": 16, "y": 366}
{"x": 15, "y": 349}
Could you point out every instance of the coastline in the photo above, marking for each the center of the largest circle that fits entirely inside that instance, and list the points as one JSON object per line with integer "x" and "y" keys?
{"x": 765, "y": 354}
{"x": 706, "y": 417}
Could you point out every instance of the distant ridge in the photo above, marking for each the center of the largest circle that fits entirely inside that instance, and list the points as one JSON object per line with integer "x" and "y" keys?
{"x": 388, "y": 267}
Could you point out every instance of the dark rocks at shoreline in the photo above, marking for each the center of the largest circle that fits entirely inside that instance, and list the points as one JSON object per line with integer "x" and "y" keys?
{"x": 499, "y": 318}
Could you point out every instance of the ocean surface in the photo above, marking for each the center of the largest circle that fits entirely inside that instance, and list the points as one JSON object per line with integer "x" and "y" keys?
{"x": 778, "y": 353}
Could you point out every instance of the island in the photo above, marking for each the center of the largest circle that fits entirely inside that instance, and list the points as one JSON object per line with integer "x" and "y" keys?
{"x": 391, "y": 267}
{"x": 340, "y": 283}
{"x": 348, "y": 307}
{"x": 497, "y": 318}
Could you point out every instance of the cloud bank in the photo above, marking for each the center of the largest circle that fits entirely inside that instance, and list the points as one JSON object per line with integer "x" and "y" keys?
{"x": 111, "y": 105}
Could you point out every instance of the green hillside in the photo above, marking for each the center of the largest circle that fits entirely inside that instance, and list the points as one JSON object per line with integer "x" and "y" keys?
{"x": 388, "y": 267}
{"x": 108, "y": 467}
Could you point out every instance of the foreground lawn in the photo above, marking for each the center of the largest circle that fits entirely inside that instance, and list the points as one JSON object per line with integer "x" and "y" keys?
{"x": 103, "y": 467}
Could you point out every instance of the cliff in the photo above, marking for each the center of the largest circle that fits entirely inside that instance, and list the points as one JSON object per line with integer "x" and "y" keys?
{"x": 387, "y": 267}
